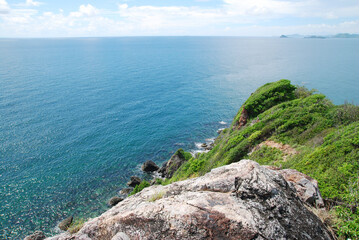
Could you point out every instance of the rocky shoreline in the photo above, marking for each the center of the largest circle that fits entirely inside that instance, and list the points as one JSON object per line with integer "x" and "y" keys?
{"x": 221, "y": 195}
{"x": 242, "y": 200}
{"x": 166, "y": 171}
{"x": 303, "y": 187}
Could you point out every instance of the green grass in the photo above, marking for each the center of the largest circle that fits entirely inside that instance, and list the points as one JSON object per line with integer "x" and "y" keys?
{"x": 156, "y": 196}
{"x": 325, "y": 135}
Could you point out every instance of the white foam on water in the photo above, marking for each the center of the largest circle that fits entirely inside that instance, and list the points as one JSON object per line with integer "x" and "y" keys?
{"x": 222, "y": 122}
{"x": 220, "y": 129}
{"x": 198, "y": 145}
{"x": 195, "y": 152}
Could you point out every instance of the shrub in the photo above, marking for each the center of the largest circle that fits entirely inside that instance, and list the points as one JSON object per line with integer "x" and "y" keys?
{"x": 140, "y": 187}
{"x": 346, "y": 114}
{"x": 267, "y": 96}
{"x": 303, "y": 92}
{"x": 348, "y": 221}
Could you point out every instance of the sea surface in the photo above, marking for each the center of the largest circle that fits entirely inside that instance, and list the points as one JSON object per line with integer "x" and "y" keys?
{"x": 79, "y": 116}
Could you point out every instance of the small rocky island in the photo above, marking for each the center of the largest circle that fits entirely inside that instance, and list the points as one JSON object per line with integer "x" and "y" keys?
{"x": 289, "y": 156}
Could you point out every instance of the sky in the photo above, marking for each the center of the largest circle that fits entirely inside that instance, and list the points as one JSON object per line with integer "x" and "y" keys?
{"x": 89, "y": 18}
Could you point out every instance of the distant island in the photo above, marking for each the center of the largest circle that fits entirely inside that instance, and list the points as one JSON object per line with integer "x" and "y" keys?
{"x": 339, "y": 35}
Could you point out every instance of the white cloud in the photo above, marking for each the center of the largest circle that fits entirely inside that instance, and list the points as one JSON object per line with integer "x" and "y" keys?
{"x": 4, "y": 7}
{"x": 233, "y": 17}
{"x": 31, "y": 3}
{"x": 85, "y": 11}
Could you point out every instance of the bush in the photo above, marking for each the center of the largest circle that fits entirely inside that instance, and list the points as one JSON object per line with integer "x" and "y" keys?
{"x": 140, "y": 187}
{"x": 303, "y": 92}
{"x": 346, "y": 114}
{"x": 267, "y": 96}
{"x": 348, "y": 222}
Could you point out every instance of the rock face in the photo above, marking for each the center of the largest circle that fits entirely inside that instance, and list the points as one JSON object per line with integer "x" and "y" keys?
{"x": 243, "y": 119}
{"x": 307, "y": 187}
{"x": 170, "y": 167}
{"x": 239, "y": 201}
{"x": 134, "y": 181}
{"x": 149, "y": 166}
{"x": 38, "y": 235}
{"x": 65, "y": 224}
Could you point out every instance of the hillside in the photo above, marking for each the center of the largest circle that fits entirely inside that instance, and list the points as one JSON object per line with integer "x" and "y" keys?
{"x": 323, "y": 136}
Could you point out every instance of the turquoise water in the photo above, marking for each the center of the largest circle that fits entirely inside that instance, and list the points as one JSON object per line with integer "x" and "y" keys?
{"x": 79, "y": 116}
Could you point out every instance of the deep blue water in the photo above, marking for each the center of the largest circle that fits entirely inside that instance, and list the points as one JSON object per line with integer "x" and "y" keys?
{"x": 79, "y": 116}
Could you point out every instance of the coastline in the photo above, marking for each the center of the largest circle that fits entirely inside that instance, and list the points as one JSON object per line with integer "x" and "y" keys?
{"x": 272, "y": 134}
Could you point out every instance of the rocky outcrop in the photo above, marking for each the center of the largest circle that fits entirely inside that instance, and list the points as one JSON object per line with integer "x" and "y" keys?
{"x": 169, "y": 168}
{"x": 114, "y": 200}
{"x": 134, "y": 181}
{"x": 239, "y": 201}
{"x": 65, "y": 224}
{"x": 37, "y": 235}
{"x": 125, "y": 191}
{"x": 243, "y": 118}
{"x": 307, "y": 187}
{"x": 149, "y": 166}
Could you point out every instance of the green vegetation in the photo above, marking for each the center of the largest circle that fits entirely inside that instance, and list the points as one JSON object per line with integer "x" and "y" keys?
{"x": 325, "y": 135}
{"x": 139, "y": 187}
{"x": 182, "y": 154}
{"x": 267, "y": 155}
{"x": 267, "y": 96}
{"x": 156, "y": 196}
{"x": 76, "y": 225}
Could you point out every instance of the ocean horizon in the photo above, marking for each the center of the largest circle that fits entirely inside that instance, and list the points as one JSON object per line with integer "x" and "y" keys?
{"x": 80, "y": 115}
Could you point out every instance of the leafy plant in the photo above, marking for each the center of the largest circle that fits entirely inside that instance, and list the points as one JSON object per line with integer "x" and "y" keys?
{"x": 140, "y": 187}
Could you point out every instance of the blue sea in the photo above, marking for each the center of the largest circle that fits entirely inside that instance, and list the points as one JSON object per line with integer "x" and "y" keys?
{"x": 79, "y": 116}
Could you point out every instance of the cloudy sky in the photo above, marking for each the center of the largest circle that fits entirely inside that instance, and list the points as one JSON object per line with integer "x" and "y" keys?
{"x": 79, "y": 18}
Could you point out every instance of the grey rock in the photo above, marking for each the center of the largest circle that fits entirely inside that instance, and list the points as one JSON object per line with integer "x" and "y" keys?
{"x": 114, "y": 200}
{"x": 149, "y": 166}
{"x": 65, "y": 224}
{"x": 134, "y": 181}
{"x": 126, "y": 191}
{"x": 170, "y": 167}
{"x": 204, "y": 145}
{"x": 306, "y": 187}
{"x": 120, "y": 236}
{"x": 37, "y": 235}
{"x": 62, "y": 236}
{"x": 239, "y": 201}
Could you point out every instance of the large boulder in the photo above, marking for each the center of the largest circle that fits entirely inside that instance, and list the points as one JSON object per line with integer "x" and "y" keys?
{"x": 134, "y": 181}
{"x": 37, "y": 235}
{"x": 149, "y": 166}
{"x": 114, "y": 200}
{"x": 65, "y": 224}
{"x": 239, "y": 201}
{"x": 170, "y": 167}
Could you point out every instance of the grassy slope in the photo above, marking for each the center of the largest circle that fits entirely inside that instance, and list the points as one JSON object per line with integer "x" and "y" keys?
{"x": 325, "y": 135}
